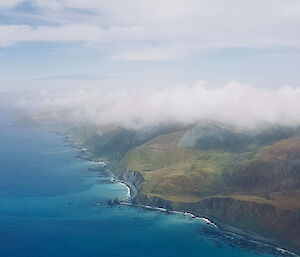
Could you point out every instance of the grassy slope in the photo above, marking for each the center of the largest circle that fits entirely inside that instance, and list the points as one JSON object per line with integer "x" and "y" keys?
{"x": 178, "y": 173}
{"x": 257, "y": 190}
{"x": 188, "y": 174}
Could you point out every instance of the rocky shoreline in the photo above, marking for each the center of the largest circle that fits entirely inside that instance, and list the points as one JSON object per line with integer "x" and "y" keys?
{"x": 166, "y": 206}
{"x": 133, "y": 180}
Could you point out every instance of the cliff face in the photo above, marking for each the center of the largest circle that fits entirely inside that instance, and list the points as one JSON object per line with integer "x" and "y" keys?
{"x": 263, "y": 218}
{"x": 281, "y": 226}
{"x": 134, "y": 179}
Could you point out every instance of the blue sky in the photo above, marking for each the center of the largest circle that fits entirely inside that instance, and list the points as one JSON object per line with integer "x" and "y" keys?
{"x": 131, "y": 44}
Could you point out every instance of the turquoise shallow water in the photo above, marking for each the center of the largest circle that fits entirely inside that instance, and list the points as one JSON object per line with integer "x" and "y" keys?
{"x": 48, "y": 207}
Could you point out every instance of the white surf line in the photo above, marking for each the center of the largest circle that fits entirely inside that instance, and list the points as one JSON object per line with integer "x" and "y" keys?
{"x": 103, "y": 164}
{"x": 207, "y": 221}
{"x": 128, "y": 190}
{"x": 284, "y": 251}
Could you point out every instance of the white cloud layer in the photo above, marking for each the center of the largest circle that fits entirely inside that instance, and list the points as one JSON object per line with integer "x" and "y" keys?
{"x": 233, "y": 103}
{"x": 138, "y": 30}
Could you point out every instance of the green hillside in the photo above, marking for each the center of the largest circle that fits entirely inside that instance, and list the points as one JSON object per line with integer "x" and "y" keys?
{"x": 248, "y": 179}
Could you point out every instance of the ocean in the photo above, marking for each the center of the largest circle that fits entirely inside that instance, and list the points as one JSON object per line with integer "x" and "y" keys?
{"x": 54, "y": 205}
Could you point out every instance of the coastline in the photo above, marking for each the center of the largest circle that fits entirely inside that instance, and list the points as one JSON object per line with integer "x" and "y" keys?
{"x": 128, "y": 190}
{"x": 216, "y": 224}
{"x": 132, "y": 192}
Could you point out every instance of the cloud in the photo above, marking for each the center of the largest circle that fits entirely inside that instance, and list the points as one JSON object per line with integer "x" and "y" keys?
{"x": 76, "y": 77}
{"x": 233, "y": 103}
{"x": 152, "y": 54}
{"x": 12, "y": 34}
{"x": 155, "y": 30}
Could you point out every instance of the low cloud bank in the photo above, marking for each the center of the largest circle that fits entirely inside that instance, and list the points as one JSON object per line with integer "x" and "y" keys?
{"x": 237, "y": 104}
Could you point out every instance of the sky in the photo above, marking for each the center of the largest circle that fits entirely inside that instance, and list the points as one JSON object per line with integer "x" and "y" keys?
{"x": 140, "y": 63}
{"x": 133, "y": 44}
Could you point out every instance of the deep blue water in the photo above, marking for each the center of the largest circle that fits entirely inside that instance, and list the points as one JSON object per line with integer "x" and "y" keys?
{"x": 48, "y": 208}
